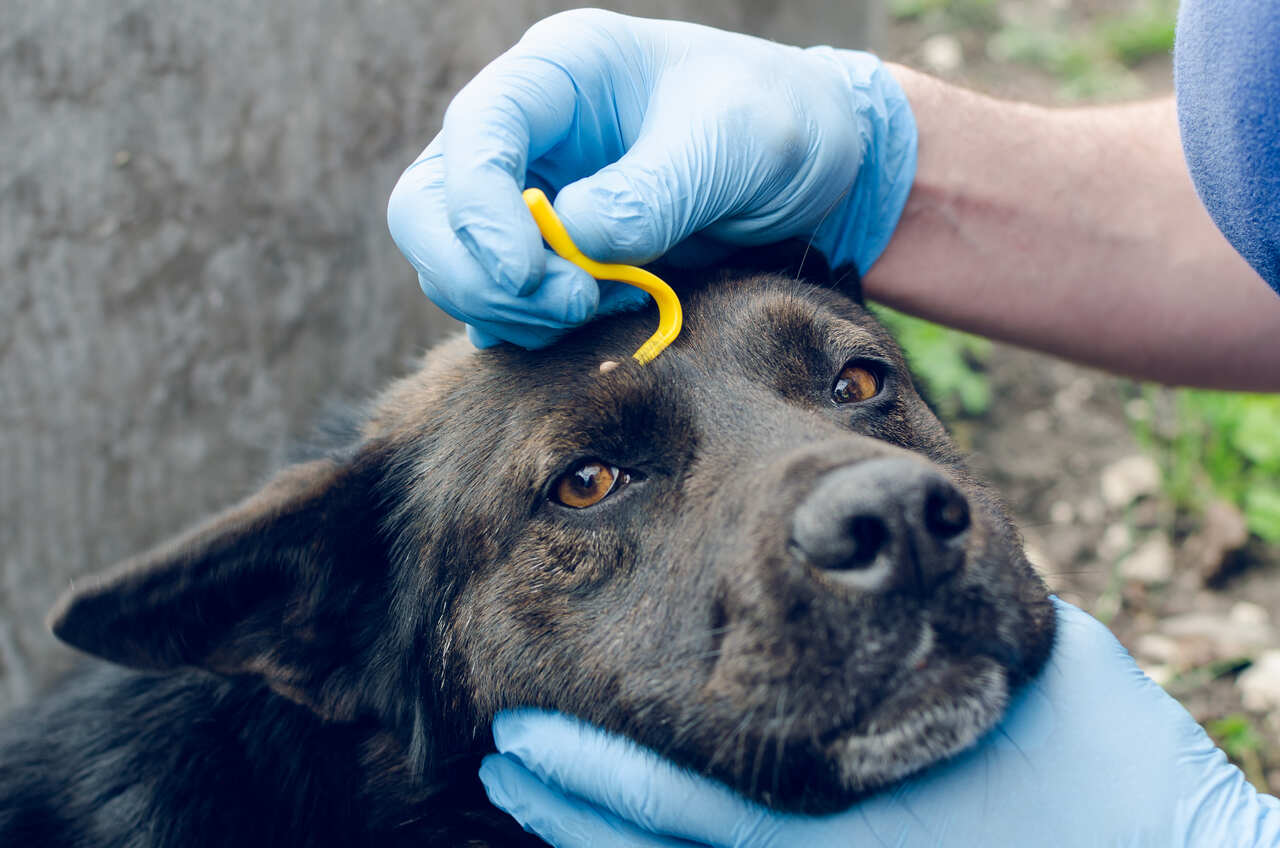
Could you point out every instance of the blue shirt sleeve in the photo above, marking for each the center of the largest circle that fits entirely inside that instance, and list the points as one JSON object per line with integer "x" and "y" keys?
{"x": 1227, "y": 76}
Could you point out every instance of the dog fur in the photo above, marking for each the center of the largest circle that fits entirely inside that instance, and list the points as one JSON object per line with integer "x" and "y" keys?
{"x": 320, "y": 664}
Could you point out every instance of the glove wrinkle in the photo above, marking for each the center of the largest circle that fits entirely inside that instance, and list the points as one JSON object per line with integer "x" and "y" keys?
{"x": 652, "y": 136}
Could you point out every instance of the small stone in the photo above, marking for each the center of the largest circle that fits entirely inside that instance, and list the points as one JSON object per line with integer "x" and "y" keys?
{"x": 1209, "y": 636}
{"x": 1152, "y": 562}
{"x": 1091, "y": 511}
{"x": 1069, "y": 400}
{"x": 1062, "y": 512}
{"x": 121, "y": 158}
{"x": 1157, "y": 648}
{"x": 1250, "y": 615}
{"x": 1037, "y": 421}
{"x": 1128, "y": 479}
{"x": 1115, "y": 541}
{"x": 1137, "y": 409}
{"x": 942, "y": 53}
{"x": 1260, "y": 683}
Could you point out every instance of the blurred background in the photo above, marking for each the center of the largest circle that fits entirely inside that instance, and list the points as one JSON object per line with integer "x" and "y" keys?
{"x": 194, "y": 264}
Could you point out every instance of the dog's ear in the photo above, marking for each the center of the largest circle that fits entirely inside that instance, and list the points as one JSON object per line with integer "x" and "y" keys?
{"x": 288, "y": 586}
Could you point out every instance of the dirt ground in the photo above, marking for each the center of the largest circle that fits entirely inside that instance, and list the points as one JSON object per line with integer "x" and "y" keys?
{"x": 1058, "y": 442}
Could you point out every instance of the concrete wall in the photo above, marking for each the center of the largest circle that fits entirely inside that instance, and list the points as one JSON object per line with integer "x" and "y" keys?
{"x": 193, "y": 253}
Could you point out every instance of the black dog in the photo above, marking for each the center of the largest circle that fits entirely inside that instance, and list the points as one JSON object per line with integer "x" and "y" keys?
{"x": 759, "y": 555}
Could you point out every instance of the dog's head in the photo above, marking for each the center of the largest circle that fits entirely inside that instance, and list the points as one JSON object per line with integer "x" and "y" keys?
{"x": 759, "y": 555}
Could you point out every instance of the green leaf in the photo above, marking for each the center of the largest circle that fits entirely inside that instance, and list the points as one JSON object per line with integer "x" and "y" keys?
{"x": 1262, "y": 512}
{"x": 1236, "y": 734}
{"x": 1224, "y": 444}
{"x": 1257, "y": 431}
{"x": 1140, "y": 34}
{"x": 948, "y": 363}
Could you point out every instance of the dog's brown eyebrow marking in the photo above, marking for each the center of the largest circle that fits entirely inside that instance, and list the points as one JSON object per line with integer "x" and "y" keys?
{"x": 608, "y": 365}
{"x": 853, "y": 338}
{"x": 818, "y": 328}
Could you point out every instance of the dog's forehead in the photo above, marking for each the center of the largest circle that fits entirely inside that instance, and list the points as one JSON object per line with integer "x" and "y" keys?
{"x": 770, "y": 314}
{"x": 730, "y": 326}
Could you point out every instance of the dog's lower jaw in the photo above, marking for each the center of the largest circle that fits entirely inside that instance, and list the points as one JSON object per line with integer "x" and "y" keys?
{"x": 910, "y": 730}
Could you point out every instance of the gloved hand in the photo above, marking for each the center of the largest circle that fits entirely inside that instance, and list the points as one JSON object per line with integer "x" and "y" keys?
{"x": 1092, "y": 753}
{"x": 654, "y": 134}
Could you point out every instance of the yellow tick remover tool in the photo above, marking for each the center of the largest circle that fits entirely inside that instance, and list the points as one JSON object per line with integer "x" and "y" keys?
{"x": 670, "y": 316}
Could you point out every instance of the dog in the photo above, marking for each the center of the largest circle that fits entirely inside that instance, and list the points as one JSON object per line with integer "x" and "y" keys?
{"x": 759, "y": 555}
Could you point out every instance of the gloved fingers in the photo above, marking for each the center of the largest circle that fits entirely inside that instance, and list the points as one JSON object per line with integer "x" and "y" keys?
{"x": 748, "y": 149}
{"x": 565, "y": 295}
{"x": 698, "y": 251}
{"x": 617, "y": 775}
{"x": 486, "y": 334}
{"x": 561, "y": 820}
{"x": 1094, "y": 665}
{"x": 716, "y": 145}
{"x": 566, "y": 298}
{"x": 620, "y": 297}
{"x": 1089, "y": 665}
{"x": 1096, "y": 658}
{"x": 1091, "y": 753}
{"x": 858, "y": 229}
{"x": 614, "y": 297}
{"x": 480, "y": 338}
{"x": 638, "y": 207}
{"x": 514, "y": 111}
{"x": 1132, "y": 755}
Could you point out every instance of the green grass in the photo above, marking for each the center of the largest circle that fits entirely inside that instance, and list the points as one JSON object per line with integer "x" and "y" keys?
{"x": 1138, "y": 34}
{"x": 948, "y": 14}
{"x": 1216, "y": 444}
{"x": 1090, "y": 59}
{"x": 1208, "y": 444}
{"x": 1242, "y": 742}
{"x": 950, "y": 364}
{"x": 1079, "y": 61}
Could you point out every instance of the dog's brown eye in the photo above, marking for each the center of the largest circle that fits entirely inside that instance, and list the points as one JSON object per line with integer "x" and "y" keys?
{"x": 854, "y": 383}
{"x": 587, "y": 484}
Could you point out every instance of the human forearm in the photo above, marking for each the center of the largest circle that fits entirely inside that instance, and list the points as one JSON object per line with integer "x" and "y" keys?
{"x": 1075, "y": 232}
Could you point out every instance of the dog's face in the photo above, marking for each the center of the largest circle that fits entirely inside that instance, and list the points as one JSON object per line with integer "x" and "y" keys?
{"x": 759, "y": 555}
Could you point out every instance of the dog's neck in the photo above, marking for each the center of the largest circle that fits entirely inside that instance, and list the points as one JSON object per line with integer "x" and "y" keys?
{"x": 267, "y": 771}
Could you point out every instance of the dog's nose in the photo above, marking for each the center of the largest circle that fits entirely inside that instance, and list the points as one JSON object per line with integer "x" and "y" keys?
{"x": 881, "y": 524}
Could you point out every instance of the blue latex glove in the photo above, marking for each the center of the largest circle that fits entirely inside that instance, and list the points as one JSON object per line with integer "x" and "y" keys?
{"x": 650, "y": 132}
{"x": 1092, "y": 753}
